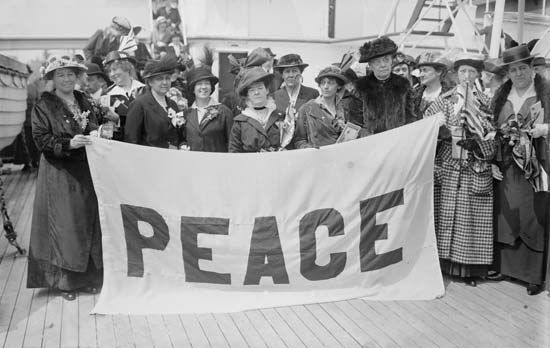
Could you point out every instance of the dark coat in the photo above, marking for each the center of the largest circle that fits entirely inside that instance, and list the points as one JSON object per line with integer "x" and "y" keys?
{"x": 282, "y": 100}
{"x": 316, "y": 127}
{"x": 65, "y": 228}
{"x": 386, "y": 104}
{"x": 248, "y": 135}
{"x": 99, "y": 45}
{"x": 211, "y": 135}
{"x": 148, "y": 123}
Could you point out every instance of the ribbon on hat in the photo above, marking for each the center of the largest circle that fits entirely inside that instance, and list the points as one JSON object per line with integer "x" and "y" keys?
{"x": 128, "y": 43}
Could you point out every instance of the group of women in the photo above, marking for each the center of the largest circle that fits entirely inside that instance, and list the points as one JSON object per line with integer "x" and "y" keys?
{"x": 65, "y": 248}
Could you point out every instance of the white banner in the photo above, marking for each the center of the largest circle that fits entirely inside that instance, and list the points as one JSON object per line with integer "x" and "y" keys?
{"x": 192, "y": 232}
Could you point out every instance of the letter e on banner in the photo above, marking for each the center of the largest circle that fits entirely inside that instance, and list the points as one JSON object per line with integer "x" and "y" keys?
{"x": 190, "y": 229}
{"x": 308, "y": 244}
{"x": 371, "y": 232}
{"x": 265, "y": 244}
{"x": 135, "y": 241}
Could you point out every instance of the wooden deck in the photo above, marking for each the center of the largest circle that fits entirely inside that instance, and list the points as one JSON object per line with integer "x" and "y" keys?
{"x": 491, "y": 315}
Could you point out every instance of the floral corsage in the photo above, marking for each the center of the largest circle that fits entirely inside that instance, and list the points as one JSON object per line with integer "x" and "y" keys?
{"x": 81, "y": 118}
{"x": 211, "y": 113}
{"x": 176, "y": 117}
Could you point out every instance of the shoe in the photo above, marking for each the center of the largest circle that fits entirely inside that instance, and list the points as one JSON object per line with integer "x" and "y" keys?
{"x": 68, "y": 295}
{"x": 470, "y": 281}
{"x": 497, "y": 277}
{"x": 534, "y": 289}
{"x": 91, "y": 290}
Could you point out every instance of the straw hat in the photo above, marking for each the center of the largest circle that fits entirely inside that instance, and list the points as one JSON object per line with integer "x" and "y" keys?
{"x": 59, "y": 62}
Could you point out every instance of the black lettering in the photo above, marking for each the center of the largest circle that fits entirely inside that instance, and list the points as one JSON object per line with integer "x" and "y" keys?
{"x": 371, "y": 232}
{"x": 190, "y": 229}
{"x": 135, "y": 241}
{"x": 308, "y": 244}
{"x": 265, "y": 245}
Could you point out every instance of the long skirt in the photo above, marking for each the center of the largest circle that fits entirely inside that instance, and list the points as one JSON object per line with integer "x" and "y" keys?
{"x": 521, "y": 216}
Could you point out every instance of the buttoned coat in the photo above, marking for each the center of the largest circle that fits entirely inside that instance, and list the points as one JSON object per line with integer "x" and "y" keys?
{"x": 211, "y": 135}
{"x": 248, "y": 135}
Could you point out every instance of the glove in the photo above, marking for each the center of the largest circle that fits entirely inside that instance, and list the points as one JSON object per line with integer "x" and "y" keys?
{"x": 539, "y": 130}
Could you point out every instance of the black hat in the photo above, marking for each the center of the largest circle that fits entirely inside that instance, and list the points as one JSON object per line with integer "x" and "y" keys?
{"x": 94, "y": 69}
{"x": 334, "y": 72}
{"x": 248, "y": 76}
{"x": 197, "y": 74}
{"x": 539, "y": 61}
{"x": 166, "y": 65}
{"x": 114, "y": 56}
{"x": 289, "y": 61}
{"x": 471, "y": 59}
{"x": 516, "y": 54}
{"x": 377, "y": 48}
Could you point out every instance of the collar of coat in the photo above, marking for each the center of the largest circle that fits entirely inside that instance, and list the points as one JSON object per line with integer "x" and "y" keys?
{"x": 394, "y": 83}
{"x": 542, "y": 90}
{"x": 53, "y": 102}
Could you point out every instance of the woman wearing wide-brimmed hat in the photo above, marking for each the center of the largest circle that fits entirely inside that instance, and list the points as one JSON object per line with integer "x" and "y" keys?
{"x": 432, "y": 69}
{"x": 65, "y": 244}
{"x": 153, "y": 118}
{"x": 403, "y": 65}
{"x": 522, "y": 111}
{"x": 208, "y": 123}
{"x": 292, "y": 94}
{"x": 463, "y": 178}
{"x": 321, "y": 120}
{"x": 259, "y": 127}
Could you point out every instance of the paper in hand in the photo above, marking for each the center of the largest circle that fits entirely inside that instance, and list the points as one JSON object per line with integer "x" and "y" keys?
{"x": 537, "y": 113}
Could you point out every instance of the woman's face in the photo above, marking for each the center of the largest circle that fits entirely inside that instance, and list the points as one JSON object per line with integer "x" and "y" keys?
{"x": 381, "y": 66}
{"x": 328, "y": 87}
{"x": 120, "y": 77}
{"x": 467, "y": 74}
{"x": 401, "y": 70}
{"x": 257, "y": 94}
{"x": 160, "y": 84}
{"x": 292, "y": 76}
{"x": 64, "y": 80}
{"x": 428, "y": 75}
{"x": 202, "y": 89}
{"x": 521, "y": 74}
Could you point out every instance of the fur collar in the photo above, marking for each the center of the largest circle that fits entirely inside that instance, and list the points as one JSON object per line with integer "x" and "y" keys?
{"x": 542, "y": 90}
{"x": 53, "y": 102}
{"x": 395, "y": 83}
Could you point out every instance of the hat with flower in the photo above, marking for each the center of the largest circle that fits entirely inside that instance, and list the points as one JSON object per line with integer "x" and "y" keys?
{"x": 114, "y": 56}
{"x": 433, "y": 59}
{"x": 474, "y": 60}
{"x": 58, "y": 62}
{"x": 334, "y": 72}
{"x": 377, "y": 48}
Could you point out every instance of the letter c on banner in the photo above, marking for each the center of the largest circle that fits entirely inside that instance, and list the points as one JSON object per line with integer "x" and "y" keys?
{"x": 135, "y": 241}
{"x": 308, "y": 248}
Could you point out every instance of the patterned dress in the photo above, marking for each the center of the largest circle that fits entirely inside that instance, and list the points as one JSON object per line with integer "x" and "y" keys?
{"x": 464, "y": 199}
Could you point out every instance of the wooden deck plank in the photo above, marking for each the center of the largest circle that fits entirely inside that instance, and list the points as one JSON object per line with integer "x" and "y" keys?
{"x": 105, "y": 334}
{"x": 212, "y": 331}
{"x": 35, "y": 323}
{"x": 69, "y": 324}
{"x": 140, "y": 331}
{"x": 194, "y": 330}
{"x": 401, "y": 333}
{"x": 178, "y": 335}
{"x": 52, "y": 323}
{"x": 17, "y": 326}
{"x": 314, "y": 325}
{"x": 250, "y": 334}
{"x": 159, "y": 332}
{"x": 309, "y": 338}
{"x": 328, "y": 321}
{"x": 230, "y": 330}
{"x": 86, "y": 322}
{"x": 265, "y": 329}
{"x": 123, "y": 331}
{"x": 370, "y": 325}
{"x": 364, "y": 337}
{"x": 281, "y": 327}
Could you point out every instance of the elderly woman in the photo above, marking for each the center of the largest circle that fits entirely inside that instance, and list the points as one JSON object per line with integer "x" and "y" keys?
{"x": 153, "y": 118}
{"x": 208, "y": 123}
{"x": 522, "y": 111}
{"x": 125, "y": 87}
{"x": 464, "y": 214}
{"x": 320, "y": 121}
{"x": 432, "y": 69}
{"x": 292, "y": 94}
{"x": 65, "y": 243}
{"x": 260, "y": 125}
